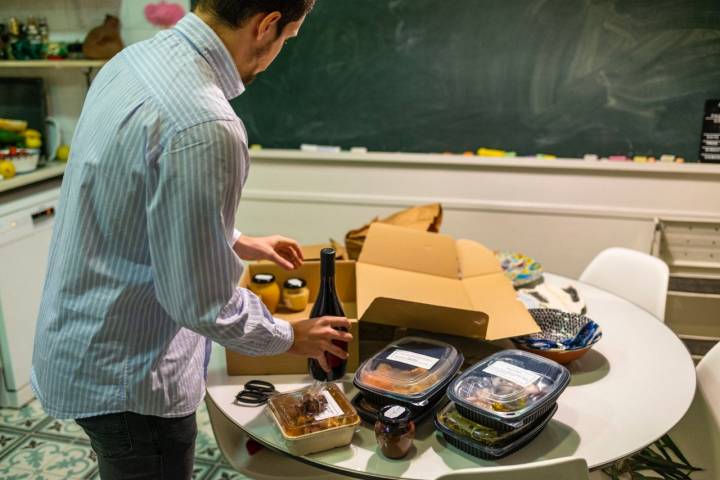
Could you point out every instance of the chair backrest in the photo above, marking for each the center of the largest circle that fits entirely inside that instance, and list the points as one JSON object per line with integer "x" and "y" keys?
{"x": 568, "y": 468}
{"x": 708, "y": 374}
{"x": 635, "y": 276}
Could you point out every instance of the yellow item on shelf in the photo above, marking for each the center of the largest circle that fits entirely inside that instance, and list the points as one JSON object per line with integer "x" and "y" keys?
{"x": 264, "y": 286}
{"x": 7, "y": 169}
{"x": 30, "y": 133}
{"x": 13, "y": 125}
{"x": 295, "y": 294}
{"x": 33, "y": 142}
{"x": 63, "y": 153}
{"x": 490, "y": 152}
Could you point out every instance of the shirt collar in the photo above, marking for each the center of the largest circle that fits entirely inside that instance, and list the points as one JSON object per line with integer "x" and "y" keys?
{"x": 209, "y": 45}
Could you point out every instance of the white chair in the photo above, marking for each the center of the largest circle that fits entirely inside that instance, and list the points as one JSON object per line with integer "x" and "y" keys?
{"x": 568, "y": 468}
{"x": 265, "y": 464}
{"x": 698, "y": 433}
{"x": 635, "y": 276}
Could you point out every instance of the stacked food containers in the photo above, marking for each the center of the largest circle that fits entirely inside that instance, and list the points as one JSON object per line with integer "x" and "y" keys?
{"x": 502, "y": 403}
{"x": 413, "y": 372}
{"x": 313, "y": 419}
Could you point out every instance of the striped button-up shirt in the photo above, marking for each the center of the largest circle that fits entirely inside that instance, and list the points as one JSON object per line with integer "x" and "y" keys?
{"x": 142, "y": 273}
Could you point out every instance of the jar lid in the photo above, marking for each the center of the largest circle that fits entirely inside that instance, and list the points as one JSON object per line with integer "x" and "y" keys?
{"x": 394, "y": 414}
{"x": 294, "y": 283}
{"x": 263, "y": 278}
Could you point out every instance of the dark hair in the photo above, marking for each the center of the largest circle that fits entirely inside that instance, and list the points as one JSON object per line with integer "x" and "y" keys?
{"x": 234, "y": 13}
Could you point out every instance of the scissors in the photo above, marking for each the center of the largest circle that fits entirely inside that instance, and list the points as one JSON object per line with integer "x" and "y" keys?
{"x": 255, "y": 392}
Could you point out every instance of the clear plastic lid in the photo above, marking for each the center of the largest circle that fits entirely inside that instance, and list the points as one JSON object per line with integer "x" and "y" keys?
{"x": 409, "y": 369}
{"x": 320, "y": 407}
{"x": 510, "y": 385}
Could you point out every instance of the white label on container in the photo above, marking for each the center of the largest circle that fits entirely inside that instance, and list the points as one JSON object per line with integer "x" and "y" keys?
{"x": 512, "y": 373}
{"x": 394, "y": 412}
{"x": 332, "y": 409}
{"x": 413, "y": 358}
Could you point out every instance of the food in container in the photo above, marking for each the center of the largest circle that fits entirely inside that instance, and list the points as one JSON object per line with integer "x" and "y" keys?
{"x": 295, "y": 294}
{"x": 395, "y": 431}
{"x": 509, "y": 389}
{"x": 264, "y": 286}
{"x": 483, "y": 441}
{"x": 313, "y": 419}
{"x": 413, "y": 372}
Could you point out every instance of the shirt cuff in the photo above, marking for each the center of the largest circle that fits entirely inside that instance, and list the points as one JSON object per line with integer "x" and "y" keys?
{"x": 283, "y": 338}
{"x": 236, "y": 235}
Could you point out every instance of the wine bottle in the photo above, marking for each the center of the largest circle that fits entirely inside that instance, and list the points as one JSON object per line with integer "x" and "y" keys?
{"x": 327, "y": 303}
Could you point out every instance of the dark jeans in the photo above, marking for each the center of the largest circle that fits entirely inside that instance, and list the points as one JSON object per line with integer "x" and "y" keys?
{"x": 130, "y": 446}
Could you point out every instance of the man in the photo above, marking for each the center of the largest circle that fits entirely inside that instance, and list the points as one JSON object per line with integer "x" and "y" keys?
{"x": 144, "y": 259}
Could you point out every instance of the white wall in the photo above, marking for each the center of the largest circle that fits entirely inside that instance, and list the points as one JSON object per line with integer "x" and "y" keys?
{"x": 561, "y": 211}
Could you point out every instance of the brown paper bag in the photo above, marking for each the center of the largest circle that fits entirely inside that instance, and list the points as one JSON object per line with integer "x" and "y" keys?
{"x": 103, "y": 42}
{"x": 425, "y": 217}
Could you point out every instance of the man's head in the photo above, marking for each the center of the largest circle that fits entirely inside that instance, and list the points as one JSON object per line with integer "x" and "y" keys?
{"x": 254, "y": 31}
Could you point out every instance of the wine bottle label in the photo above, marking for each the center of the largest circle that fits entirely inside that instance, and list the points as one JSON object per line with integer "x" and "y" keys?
{"x": 413, "y": 358}
{"x": 512, "y": 373}
{"x": 331, "y": 410}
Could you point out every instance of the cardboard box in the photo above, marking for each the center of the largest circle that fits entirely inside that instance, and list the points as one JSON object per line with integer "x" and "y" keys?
{"x": 405, "y": 279}
{"x": 238, "y": 364}
{"x": 430, "y": 281}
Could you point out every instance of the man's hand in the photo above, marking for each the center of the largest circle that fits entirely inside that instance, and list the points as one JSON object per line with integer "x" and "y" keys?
{"x": 284, "y": 251}
{"x": 314, "y": 336}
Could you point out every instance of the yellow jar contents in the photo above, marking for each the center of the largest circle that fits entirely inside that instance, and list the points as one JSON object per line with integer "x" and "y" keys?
{"x": 295, "y": 294}
{"x": 263, "y": 285}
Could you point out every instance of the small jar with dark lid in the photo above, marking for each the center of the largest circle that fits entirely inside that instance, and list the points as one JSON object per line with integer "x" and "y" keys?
{"x": 295, "y": 294}
{"x": 264, "y": 286}
{"x": 394, "y": 431}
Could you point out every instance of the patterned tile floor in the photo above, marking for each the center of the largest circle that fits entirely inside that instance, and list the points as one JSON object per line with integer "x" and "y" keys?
{"x": 34, "y": 446}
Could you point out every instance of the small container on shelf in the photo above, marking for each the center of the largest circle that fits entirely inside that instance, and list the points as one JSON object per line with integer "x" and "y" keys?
{"x": 313, "y": 419}
{"x": 483, "y": 441}
{"x": 264, "y": 286}
{"x": 509, "y": 389}
{"x": 413, "y": 372}
{"x": 395, "y": 431}
{"x": 295, "y": 294}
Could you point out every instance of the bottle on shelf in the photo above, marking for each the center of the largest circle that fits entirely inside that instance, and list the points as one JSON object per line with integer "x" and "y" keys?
{"x": 327, "y": 303}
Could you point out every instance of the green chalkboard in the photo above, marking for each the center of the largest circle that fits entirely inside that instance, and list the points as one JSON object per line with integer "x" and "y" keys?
{"x": 565, "y": 77}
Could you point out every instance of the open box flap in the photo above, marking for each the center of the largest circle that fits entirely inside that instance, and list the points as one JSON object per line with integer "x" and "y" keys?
{"x": 476, "y": 259}
{"x": 410, "y": 250}
{"x": 431, "y": 318}
{"x": 375, "y": 281}
{"x": 494, "y": 294}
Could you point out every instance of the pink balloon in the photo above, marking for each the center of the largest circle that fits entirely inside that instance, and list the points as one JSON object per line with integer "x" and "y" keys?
{"x": 164, "y": 14}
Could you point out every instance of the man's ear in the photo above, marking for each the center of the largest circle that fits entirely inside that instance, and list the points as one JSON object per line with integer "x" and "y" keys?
{"x": 268, "y": 26}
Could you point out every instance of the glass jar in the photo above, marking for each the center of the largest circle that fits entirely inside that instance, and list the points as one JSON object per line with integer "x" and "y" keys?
{"x": 264, "y": 286}
{"x": 295, "y": 294}
{"x": 394, "y": 431}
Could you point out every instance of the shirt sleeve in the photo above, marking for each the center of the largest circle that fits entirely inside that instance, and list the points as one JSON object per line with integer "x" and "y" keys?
{"x": 195, "y": 268}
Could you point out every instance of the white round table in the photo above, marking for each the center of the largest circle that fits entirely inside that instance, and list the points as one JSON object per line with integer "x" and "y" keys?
{"x": 627, "y": 392}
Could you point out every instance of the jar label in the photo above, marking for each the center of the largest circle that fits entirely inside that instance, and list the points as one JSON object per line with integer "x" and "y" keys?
{"x": 512, "y": 373}
{"x": 331, "y": 410}
{"x": 413, "y": 358}
{"x": 394, "y": 412}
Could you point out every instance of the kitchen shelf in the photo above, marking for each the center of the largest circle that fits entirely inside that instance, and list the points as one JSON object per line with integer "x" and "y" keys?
{"x": 52, "y": 63}
{"x": 52, "y": 169}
